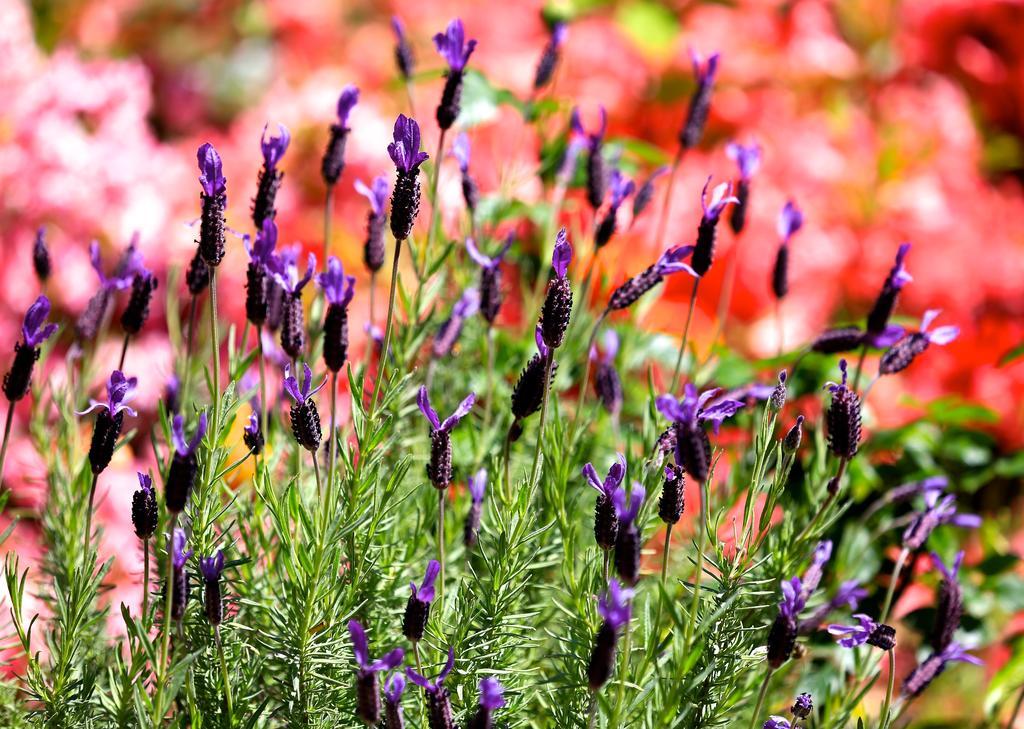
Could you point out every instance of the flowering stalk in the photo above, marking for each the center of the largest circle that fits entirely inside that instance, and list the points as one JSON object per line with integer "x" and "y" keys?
{"x": 338, "y": 290}
{"x": 333, "y": 163}
{"x": 790, "y": 221}
{"x": 373, "y": 247}
{"x": 211, "y": 246}
{"x": 211, "y": 569}
{"x": 404, "y": 61}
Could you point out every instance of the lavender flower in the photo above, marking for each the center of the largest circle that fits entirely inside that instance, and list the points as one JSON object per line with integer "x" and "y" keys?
{"x": 197, "y": 276}
{"x": 405, "y": 197}
{"x": 41, "y": 256}
{"x": 179, "y": 578}
{"x": 673, "y": 495}
{"x": 135, "y": 314}
{"x": 835, "y": 341}
{"x": 938, "y": 512}
{"x": 812, "y": 576}
{"x": 621, "y": 188}
{"x": 34, "y": 331}
{"x": 528, "y": 393}
{"x": 451, "y": 329}
{"x": 477, "y": 489}
{"x": 557, "y": 308}
{"x": 417, "y": 610}
{"x": 455, "y": 50}
{"x": 607, "y": 384}
{"x": 260, "y": 256}
{"x": 867, "y": 631}
{"x": 790, "y": 221}
{"x": 606, "y": 521}
{"x": 367, "y": 686}
{"x": 671, "y": 261}
{"x": 615, "y": 610}
{"x": 492, "y": 696}
{"x": 748, "y": 160}
{"x": 373, "y": 246}
{"x": 439, "y": 705}
{"x": 269, "y": 181}
{"x": 338, "y": 290}
{"x": 949, "y": 607}
{"x": 144, "y": 510}
{"x": 693, "y": 449}
{"x": 777, "y": 722}
{"x": 782, "y": 636}
{"x": 900, "y": 356}
{"x": 214, "y": 199}
{"x": 597, "y": 174}
{"x": 645, "y": 193}
{"x": 700, "y": 103}
{"x": 172, "y": 394}
{"x": 470, "y": 191}
{"x": 843, "y": 417}
{"x": 704, "y": 250}
{"x": 802, "y": 707}
{"x": 898, "y": 277}
{"x": 252, "y": 434}
{"x": 491, "y": 295}
{"x": 439, "y": 469}
{"x": 627, "y": 541}
{"x": 906, "y": 491}
{"x": 89, "y": 321}
{"x": 848, "y": 595}
{"x": 791, "y": 443}
{"x": 181, "y": 476}
{"x": 403, "y": 52}
{"x": 333, "y": 162}
{"x": 110, "y": 419}
{"x": 393, "y": 689}
{"x": 549, "y": 58}
{"x": 926, "y": 672}
{"x": 304, "y": 415}
{"x": 211, "y": 569}
{"x": 283, "y": 268}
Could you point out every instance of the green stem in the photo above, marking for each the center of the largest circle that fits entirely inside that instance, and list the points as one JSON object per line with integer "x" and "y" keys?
{"x": 263, "y": 387}
{"x": 884, "y": 716}
{"x": 699, "y": 575}
{"x": 1016, "y": 708}
{"x": 332, "y": 446}
{"x": 665, "y": 552}
{"x": 215, "y": 395}
{"x": 328, "y": 214}
{"x": 228, "y": 704}
{"x": 586, "y": 372}
{"x": 897, "y": 568}
{"x": 88, "y": 517}
{"x": 760, "y": 698}
{"x": 825, "y": 504}
{"x": 190, "y": 338}
{"x": 165, "y": 643}
{"x": 145, "y": 580}
{"x": 435, "y": 207}
{"x": 860, "y": 366}
{"x": 488, "y": 406}
{"x": 316, "y": 473}
{"x": 549, "y": 362}
{"x": 686, "y": 335}
{"x": 663, "y": 221}
{"x": 508, "y": 457}
{"x": 382, "y": 360}
{"x": 440, "y": 547}
{"x": 124, "y": 352}
{"x": 7, "y": 438}
{"x": 620, "y": 696}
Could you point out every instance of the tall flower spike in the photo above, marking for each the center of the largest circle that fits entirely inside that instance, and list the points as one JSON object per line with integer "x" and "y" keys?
{"x": 417, "y": 609}
{"x": 252, "y": 434}
{"x": 529, "y": 388}
{"x": 41, "y": 256}
{"x": 403, "y": 52}
{"x": 269, "y": 181}
{"x": 673, "y": 495}
{"x": 492, "y": 696}
{"x": 373, "y": 247}
{"x": 179, "y": 578}
{"x": 597, "y": 173}
{"x": 614, "y": 609}
{"x": 214, "y": 199}
{"x": 843, "y": 418}
{"x": 338, "y": 290}
{"x": 455, "y": 50}
{"x": 557, "y": 307}
{"x": 405, "y": 197}
{"x": 304, "y": 415}
{"x": 110, "y": 419}
{"x": 135, "y": 314}
{"x": 693, "y": 449}
{"x": 491, "y": 295}
{"x": 34, "y": 331}
{"x": 549, "y": 58}
{"x": 670, "y": 262}
{"x": 439, "y": 469}
{"x": 704, "y": 250}
{"x": 928, "y": 671}
{"x": 367, "y": 685}
{"x": 790, "y": 221}
{"x": 260, "y": 255}
{"x": 938, "y": 511}
{"x": 748, "y": 160}
{"x": 627, "y": 542}
{"x": 283, "y": 268}
{"x": 393, "y": 689}
{"x": 949, "y": 607}
{"x": 700, "y": 103}
{"x": 439, "y": 706}
{"x": 621, "y": 187}
{"x": 448, "y": 333}
{"x": 470, "y": 191}
{"x": 606, "y": 522}
{"x": 477, "y": 490}
{"x": 782, "y": 636}
{"x": 89, "y": 321}
{"x": 878, "y": 318}
{"x": 607, "y": 384}
{"x": 900, "y": 355}
{"x": 213, "y": 602}
{"x": 181, "y": 476}
{"x": 333, "y": 162}
{"x": 144, "y": 509}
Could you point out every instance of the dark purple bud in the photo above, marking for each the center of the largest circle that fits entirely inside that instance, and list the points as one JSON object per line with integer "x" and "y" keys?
{"x": 367, "y": 686}
{"x": 197, "y": 277}
{"x": 181, "y": 475}
{"x": 304, "y": 416}
{"x": 403, "y": 52}
{"x": 252, "y": 434}
{"x": 780, "y": 273}
{"x": 704, "y": 250}
{"x": 214, "y": 200}
{"x": 606, "y": 521}
{"x": 597, "y": 172}
{"x": 417, "y": 610}
{"x": 211, "y": 569}
{"x": 939, "y": 511}
{"x": 528, "y": 393}
{"x": 949, "y": 608}
{"x": 843, "y": 418}
{"x": 671, "y": 261}
{"x": 836, "y": 341}
{"x": 645, "y": 194}
{"x": 901, "y": 354}
{"x": 144, "y": 509}
{"x": 557, "y": 307}
{"x": 782, "y": 636}
{"x": 627, "y": 541}
{"x": 884, "y": 305}
{"x": 451, "y": 329}
{"x": 439, "y": 468}
{"x": 135, "y": 314}
{"x": 549, "y": 58}
{"x": 492, "y": 696}
{"x": 673, "y": 495}
{"x": 614, "y": 608}
{"x": 791, "y": 443}
{"x": 273, "y": 149}
{"x": 803, "y": 706}
{"x": 700, "y": 103}
{"x": 34, "y": 331}
{"x": 179, "y": 578}
{"x": 439, "y": 707}
{"x": 867, "y": 631}
{"x": 393, "y": 689}
{"x": 41, "y": 256}
{"x": 453, "y": 47}
{"x": 777, "y": 399}
{"x": 926, "y": 672}
{"x": 471, "y": 527}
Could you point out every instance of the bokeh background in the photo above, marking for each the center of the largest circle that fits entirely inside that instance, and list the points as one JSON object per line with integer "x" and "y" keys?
{"x": 886, "y": 120}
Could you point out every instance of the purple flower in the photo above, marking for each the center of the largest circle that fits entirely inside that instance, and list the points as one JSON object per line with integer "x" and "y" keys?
{"x": 32, "y": 330}
{"x": 746, "y": 157}
{"x": 489, "y": 262}
{"x": 691, "y": 410}
{"x": 120, "y": 391}
{"x": 212, "y": 567}
{"x": 562, "y": 255}
{"x": 704, "y": 72}
{"x": 848, "y": 595}
{"x": 938, "y": 511}
{"x": 594, "y": 139}
{"x": 538, "y": 337}
{"x": 453, "y": 47}
{"x": 609, "y": 348}
{"x": 394, "y": 687}
{"x": 790, "y": 221}
{"x": 791, "y": 603}
{"x": 361, "y": 650}
{"x": 376, "y": 193}
{"x": 211, "y": 173}
{"x": 812, "y": 576}
{"x": 627, "y": 507}
{"x": 776, "y": 722}
{"x": 403, "y": 53}
{"x": 346, "y": 102}
{"x": 621, "y": 187}
{"x": 405, "y": 150}
{"x": 450, "y": 330}
{"x": 337, "y": 287}
{"x": 262, "y": 251}
{"x": 851, "y": 636}
{"x": 435, "y": 686}
{"x": 284, "y": 269}
{"x": 423, "y": 400}
{"x": 291, "y": 384}
{"x": 182, "y": 446}
{"x": 425, "y": 592}
{"x": 941, "y": 335}
{"x": 131, "y": 263}
{"x": 721, "y": 196}
{"x": 492, "y": 694}
{"x": 614, "y": 606}
{"x": 478, "y": 486}
{"x": 612, "y": 481}
{"x": 898, "y": 276}
{"x": 460, "y": 151}
{"x": 645, "y": 194}
{"x": 273, "y": 148}
{"x": 949, "y": 573}
{"x": 178, "y": 554}
{"x": 253, "y": 427}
